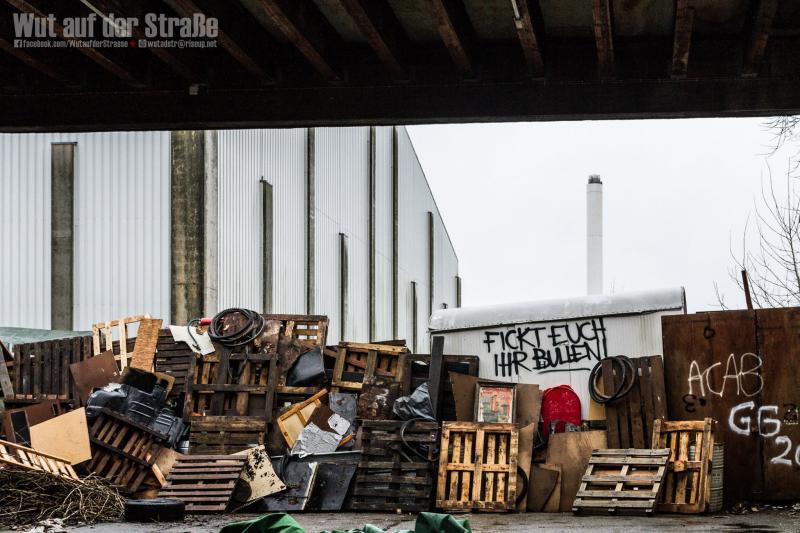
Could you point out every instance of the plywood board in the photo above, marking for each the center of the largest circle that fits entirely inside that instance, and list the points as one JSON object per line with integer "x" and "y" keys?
{"x": 544, "y": 479}
{"x": 65, "y": 436}
{"x": 258, "y": 478}
{"x": 94, "y": 372}
{"x": 572, "y": 450}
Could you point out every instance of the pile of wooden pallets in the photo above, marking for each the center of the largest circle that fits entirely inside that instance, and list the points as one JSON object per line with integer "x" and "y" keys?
{"x": 396, "y": 470}
{"x": 622, "y": 479}
{"x": 357, "y": 363}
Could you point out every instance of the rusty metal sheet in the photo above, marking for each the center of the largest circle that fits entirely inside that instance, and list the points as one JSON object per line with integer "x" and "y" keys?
{"x": 737, "y": 367}
{"x": 779, "y": 339}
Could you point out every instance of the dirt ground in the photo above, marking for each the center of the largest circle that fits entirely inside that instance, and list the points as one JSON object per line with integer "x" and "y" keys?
{"x": 767, "y": 521}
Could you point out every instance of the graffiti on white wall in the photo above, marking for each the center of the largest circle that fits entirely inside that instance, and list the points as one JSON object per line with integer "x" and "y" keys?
{"x": 558, "y": 347}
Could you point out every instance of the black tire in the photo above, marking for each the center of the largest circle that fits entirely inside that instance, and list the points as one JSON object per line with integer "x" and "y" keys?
{"x": 155, "y": 510}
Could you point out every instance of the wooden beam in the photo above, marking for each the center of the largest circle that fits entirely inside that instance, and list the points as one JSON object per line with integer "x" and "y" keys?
{"x": 454, "y": 28}
{"x": 527, "y": 17}
{"x": 759, "y": 36}
{"x": 186, "y": 8}
{"x": 379, "y": 26}
{"x": 92, "y": 53}
{"x": 301, "y": 23}
{"x": 32, "y": 62}
{"x": 107, "y": 7}
{"x": 684, "y": 22}
{"x": 603, "y": 37}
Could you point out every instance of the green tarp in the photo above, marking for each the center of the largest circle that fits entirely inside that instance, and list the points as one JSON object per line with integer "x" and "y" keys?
{"x": 284, "y": 523}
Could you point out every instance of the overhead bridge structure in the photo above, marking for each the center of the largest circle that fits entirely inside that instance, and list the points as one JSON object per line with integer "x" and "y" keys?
{"x": 280, "y": 63}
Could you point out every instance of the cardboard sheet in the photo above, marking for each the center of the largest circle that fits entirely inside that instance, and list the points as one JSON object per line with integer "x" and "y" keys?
{"x": 258, "y": 478}
{"x": 65, "y": 436}
{"x": 572, "y": 451}
{"x": 524, "y": 454}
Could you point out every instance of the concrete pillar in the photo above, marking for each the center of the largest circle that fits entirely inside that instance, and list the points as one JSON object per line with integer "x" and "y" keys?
{"x": 62, "y": 193}
{"x": 193, "y": 232}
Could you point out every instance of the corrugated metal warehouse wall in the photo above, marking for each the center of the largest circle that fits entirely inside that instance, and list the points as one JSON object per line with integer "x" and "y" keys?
{"x": 121, "y": 224}
{"x": 122, "y": 227}
{"x": 244, "y": 157}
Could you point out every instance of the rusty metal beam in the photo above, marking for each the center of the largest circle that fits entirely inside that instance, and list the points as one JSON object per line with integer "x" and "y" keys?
{"x": 759, "y": 36}
{"x": 186, "y": 8}
{"x": 527, "y": 17}
{"x": 684, "y": 22}
{"x": 301, "y": 23}
{"x": 32, "y": 62}
{"x": 92, "y": 53}
{"x": 603, "y": 37}
{"x": 377, "y": 23}
{"x": 453, "y": 24}
{"x": 107, "y": 7}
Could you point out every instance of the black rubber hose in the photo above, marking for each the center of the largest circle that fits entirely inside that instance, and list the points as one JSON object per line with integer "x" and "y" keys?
{"x": 626, "y": 368}
{"x": 253, "y": 327}
{"x": 523, "y": 494}
{"x": 412, "y": 448}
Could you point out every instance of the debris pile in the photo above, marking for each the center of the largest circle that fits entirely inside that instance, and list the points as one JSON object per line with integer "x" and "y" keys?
{"x": 256, "y": 413}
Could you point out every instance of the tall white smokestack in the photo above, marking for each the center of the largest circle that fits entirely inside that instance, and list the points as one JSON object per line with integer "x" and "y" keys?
{"x": 594, "y": 235}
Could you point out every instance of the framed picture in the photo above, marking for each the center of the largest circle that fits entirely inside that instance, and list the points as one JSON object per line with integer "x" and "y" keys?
{"x": 495, "y": 402}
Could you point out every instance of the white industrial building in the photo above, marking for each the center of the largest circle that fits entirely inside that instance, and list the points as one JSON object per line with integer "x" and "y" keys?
{"x": 334, "y": 221}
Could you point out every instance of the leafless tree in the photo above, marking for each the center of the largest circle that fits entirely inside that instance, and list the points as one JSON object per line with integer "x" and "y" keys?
{"x": 773, "y": 262}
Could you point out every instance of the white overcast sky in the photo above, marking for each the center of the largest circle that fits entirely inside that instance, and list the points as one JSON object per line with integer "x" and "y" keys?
{"x": 513, "y": 198}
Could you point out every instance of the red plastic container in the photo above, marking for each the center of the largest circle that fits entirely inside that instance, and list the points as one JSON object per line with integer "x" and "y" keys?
{"x": 560, "y": 404}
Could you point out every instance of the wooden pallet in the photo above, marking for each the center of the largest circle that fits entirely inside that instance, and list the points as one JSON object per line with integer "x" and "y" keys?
{"x": 237, "y": 384}
{"x": 356, "y": 362}
{"x": 224, "y": 435}
{"x": 172, "y": 358}
{"x": 622, "y": 479}
{"x": 123, "y": 352}
{"x": 477, "y": 467}
{"x": 123, "y": 451}
{"x": 28, "y": 459}
{"x": 292, "y": 421}
{"x": 630, "y": 419}
{"x": 41, "y": 369}
{"x": 204, "y": 483}
{"x": 687, "y": 488}
{"x": 391, "y": 477}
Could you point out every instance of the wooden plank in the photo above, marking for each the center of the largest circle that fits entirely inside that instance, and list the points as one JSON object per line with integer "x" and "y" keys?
{"x": 146, "y": 341}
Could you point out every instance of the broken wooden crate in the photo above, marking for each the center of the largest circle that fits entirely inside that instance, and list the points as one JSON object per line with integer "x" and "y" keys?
{"x": 296, "y": 334}
{"x": 356, "y": 362}
{"x": 229, "y": 399}
{"x": 28, "y": 459}
{"x": 292, "y": 421}
{"x": 630, "y": 419}
{"x": 622, "y": 479}
{"x": 123, "y": 347}
{"x": 41, "y": 369}
{"x": 477, "y": 467}
{"x": 123, "y": 451}
{"x": 205, "y": 483}
{"x": 687, "y": 488}
{"x": 396, "y": 470}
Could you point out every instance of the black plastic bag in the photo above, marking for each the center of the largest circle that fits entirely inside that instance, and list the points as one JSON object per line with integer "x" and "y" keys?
{"x": 418, "y": 405}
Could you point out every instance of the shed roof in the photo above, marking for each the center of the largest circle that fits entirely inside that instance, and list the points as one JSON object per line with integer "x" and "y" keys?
{"x": 672, "y": 299}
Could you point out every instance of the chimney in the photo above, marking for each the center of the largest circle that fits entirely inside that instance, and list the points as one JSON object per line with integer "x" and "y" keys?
{"x": 594, "y": 235}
